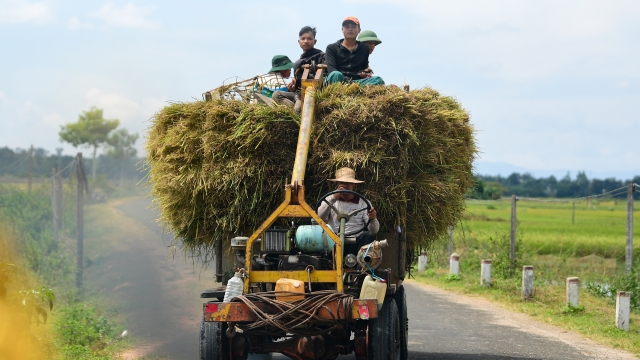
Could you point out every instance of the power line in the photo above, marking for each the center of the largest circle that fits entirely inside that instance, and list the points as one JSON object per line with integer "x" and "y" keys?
{"x": 59, "y": 172}
{"x": 16, "y": 163}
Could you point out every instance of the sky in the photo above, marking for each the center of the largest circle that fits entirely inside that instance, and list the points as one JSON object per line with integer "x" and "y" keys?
{"x": 552, "y": 86}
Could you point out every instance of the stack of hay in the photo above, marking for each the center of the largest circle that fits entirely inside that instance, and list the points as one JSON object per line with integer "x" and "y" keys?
{"x": 218, "y": 168}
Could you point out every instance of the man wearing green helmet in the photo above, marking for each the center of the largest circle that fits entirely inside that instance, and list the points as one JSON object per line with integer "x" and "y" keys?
{"x": 370, "y": 39}
{"x": 348, "y": 59}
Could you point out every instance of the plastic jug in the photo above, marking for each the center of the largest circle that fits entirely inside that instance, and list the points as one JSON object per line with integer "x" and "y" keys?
{"x": 289, "y": 285}
{"x": 373, "y": 289}
{"x": 235, "y": 287}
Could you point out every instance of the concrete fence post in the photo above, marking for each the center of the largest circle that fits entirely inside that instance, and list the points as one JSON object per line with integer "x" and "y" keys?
{"x": 422, "y": 262}
{"x": 512, "y": 244}
{"x": 623, "y": 307}
{"x": 527, "y": 282}
{"x": 573, "y": 286}
{"x": 485, "y": 272}
{"x": 454, "y": 264}
{"x": 628, "y": 258}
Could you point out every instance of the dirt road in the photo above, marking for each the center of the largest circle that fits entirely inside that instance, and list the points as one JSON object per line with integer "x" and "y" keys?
{"x": 161, "y": 300}
{"x": 159, "y": 297}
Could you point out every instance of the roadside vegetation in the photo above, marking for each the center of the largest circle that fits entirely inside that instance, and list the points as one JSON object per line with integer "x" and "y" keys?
{"x": 591, "y": 249}
{"x": 49, "y": 316}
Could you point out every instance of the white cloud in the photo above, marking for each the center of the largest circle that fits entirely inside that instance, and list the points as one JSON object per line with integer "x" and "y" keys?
{"x": 75, "y": 24}
{"x": 128, "y": 15}
{"x": 54, "y": 120}
{"x": 530, "y": 40}
{"x": 132, "y": 115}
{"x": 114, "y": 105}
{"x": 20, "y": 11}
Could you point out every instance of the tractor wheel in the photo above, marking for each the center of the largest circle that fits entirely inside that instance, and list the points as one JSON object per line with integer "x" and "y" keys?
{"x": 401, "y": 302}
{"x": 384, "y": 333}
{"x": 214, "y": 344}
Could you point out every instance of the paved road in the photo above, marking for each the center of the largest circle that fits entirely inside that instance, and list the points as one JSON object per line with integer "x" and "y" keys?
{"x": 441, "y": 329}
{"x": 441, "y": 325}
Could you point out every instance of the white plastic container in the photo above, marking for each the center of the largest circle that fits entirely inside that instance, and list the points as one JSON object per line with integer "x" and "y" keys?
{"x": 373, "y": 289}
{"x": 235, "y": 287}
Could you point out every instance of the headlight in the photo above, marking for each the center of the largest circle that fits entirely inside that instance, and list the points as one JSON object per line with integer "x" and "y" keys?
{"x": 350, "y": 260}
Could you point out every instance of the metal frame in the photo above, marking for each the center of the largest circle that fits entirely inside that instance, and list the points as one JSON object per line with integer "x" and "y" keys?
{"x": 294, "y": 204}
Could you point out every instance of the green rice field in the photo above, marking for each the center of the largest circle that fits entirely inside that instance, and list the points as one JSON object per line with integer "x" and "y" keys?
{"x": 547, "y": 229}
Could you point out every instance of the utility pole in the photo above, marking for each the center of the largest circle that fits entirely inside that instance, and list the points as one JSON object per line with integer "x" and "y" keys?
{"x": 629, "y": 250}
{"x": 59, "y": 203}
{"x": 82, "y": 186}
{"x": 450, "y": 242}
{"x": 30, "y": 168}
{"x": 54, "y": 204}
{"x": 512, "y": 252}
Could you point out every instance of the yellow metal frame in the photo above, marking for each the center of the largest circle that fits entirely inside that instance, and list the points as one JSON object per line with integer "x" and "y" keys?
{"x": 294, "y": 205}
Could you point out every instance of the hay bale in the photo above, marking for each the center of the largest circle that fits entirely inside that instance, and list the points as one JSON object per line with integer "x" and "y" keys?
{"x": 219, "y": 168}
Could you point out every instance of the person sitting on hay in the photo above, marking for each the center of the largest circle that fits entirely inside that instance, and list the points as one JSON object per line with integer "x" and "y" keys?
{"x": 370, "y": 39}
{"x": 348, "y": 59}
{"x": 275, "y": 80}
{"x": 344, "y": 202}
{"x": 307, "y": 41}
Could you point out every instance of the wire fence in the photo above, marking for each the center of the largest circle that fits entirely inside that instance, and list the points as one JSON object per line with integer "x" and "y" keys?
{"x": 605, "y": 195}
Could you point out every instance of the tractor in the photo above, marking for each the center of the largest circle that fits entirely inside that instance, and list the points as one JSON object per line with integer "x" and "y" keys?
{"x": 295, "y": 291}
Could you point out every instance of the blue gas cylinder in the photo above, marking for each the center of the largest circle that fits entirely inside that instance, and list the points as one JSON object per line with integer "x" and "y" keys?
{"x": 312, "y": 239}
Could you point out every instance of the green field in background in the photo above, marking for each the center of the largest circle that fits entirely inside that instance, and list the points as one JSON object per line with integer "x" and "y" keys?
{"x": 546, "y": 228}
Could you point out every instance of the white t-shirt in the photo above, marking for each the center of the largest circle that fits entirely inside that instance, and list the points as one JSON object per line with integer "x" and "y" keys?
{"x": 355, "y": 223}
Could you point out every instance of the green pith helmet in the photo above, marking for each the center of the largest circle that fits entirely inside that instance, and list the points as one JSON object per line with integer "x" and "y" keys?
{"x": 280, "y": 62}
{"x": 369, "y": 35}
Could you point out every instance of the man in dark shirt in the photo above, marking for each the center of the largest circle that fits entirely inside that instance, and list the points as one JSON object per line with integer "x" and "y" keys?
{"x": 307, "y": 41}
{"x": 348, "y": 59}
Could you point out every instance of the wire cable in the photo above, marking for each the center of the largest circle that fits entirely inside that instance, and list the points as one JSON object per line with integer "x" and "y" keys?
{"x": 297, "y": 318}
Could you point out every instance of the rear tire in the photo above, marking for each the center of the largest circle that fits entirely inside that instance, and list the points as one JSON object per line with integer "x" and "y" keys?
{"x": 384, "y": 333}
{"x": 401, "y": 301}
{"x": 214, "y": 344}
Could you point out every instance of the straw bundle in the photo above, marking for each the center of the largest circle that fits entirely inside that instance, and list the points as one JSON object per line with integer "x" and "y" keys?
{"x": 218, "y": 168}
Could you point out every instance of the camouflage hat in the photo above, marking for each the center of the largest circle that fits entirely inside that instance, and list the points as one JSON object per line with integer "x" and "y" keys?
{"x": 280, "y": 62}
{"x": 369, "y": 35}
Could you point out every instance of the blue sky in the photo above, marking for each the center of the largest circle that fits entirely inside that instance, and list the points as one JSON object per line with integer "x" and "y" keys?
{"x": 552, "y": 86}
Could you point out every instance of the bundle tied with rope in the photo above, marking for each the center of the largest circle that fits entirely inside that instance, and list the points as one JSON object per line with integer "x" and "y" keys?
{"x": 297, "y": 318}
{"x": 217, "y": 169}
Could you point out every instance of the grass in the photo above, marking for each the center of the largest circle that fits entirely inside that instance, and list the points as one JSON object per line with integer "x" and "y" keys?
{"x": 592, "y": 249}
{"x": 594, "y": 318}
{"x": 546, "y": 228}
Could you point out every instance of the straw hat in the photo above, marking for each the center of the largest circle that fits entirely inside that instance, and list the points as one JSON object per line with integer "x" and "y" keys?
{"x": 347, "y": 175}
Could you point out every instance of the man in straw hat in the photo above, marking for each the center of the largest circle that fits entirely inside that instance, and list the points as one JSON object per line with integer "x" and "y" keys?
{"x": 343, "y": 202}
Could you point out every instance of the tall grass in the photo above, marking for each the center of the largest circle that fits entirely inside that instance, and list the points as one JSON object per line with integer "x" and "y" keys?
{"x": 547, "y": 229}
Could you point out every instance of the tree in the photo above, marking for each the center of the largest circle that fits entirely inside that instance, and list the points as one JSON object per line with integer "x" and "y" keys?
{"x": 91, "y": 130}
{"x": 121, "y": 147}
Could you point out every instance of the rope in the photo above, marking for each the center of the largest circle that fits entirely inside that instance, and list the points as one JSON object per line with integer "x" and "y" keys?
{"x": 369, "y": 267}
{"x": 298, "y": 318}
